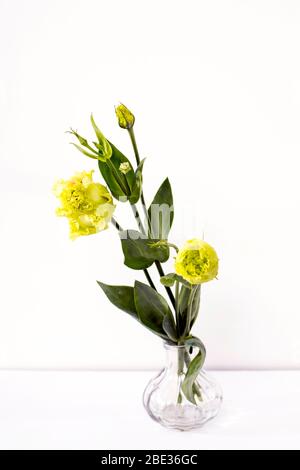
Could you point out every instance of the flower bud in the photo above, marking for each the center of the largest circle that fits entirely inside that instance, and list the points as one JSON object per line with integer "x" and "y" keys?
{"x": 197, "y": 262}
{"x": 81, "y": 139}
{"x": 102, "y": 150}
{"x": 125, "y": 117}
{"x": 124, "y": 168}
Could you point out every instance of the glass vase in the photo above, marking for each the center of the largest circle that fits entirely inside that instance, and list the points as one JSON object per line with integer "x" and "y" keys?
{"x": 164, "y": 398}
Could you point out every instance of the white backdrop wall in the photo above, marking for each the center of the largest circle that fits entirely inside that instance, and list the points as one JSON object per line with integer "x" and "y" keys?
{"x": 215, "y": 86}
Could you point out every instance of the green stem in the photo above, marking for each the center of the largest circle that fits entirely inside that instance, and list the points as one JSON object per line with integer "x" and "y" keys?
{"x": 126, "y": 183}
{"x": 148, "y": 277}
{"x": 135, "y": 149}
{"x": 197, "y": 289}
{"x": 116, "y": 224}
{"x": 180, "y": 358}
{"x": 138, "y": 218}
{"x": 168, "y": 290}
{"x": 157, "y": 263}
{"x": 118, "y": 177}
{"x": 196, "y": 387}
{"x": 189, "y": 312}
{"x": 177, "y": 307}
{"x": 138, "y": 160}
{"x": 145, "y": 212}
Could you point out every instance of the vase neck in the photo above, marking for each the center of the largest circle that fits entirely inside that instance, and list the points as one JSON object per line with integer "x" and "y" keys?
{"x": 174, "y": 357}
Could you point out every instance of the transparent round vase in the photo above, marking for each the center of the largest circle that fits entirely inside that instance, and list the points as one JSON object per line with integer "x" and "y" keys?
{"x": 165, "y": 401}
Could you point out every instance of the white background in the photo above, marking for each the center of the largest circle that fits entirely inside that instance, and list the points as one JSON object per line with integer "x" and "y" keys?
{"x": 85, "y": 410}
{"x": 215, "y": 87}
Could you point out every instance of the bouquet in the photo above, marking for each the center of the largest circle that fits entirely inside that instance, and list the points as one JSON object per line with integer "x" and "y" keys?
{"x": 89, "y": 207}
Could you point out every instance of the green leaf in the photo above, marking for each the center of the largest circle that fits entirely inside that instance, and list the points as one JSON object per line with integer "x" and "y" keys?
{"x": 120, "y": 296}
{"x": 154, "y": 312}
{"x": 140, "y": 252}
{"x": 169, "y": 326}
{"x": 196, "y": 305}
{"x": 195, "y": 342}
{"x": 184, "y": 297}
{"x": 98, "y": 133}
{"x": 85, "y": 152}
{"x": 137, "y": 184}
{"x": 193, "y": 370}
{"x": 116, "y": 159}
{"x": 161, "y": 212}
{"x": 169, "y": 280}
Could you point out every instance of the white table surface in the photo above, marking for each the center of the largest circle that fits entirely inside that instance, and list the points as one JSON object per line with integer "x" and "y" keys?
{"x": 103, "y": 410}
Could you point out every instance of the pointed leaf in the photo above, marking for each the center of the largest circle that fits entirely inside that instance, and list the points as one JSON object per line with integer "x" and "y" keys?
{"x": 161, "y": 212}
{"x": 98, "y": 133}
{"x": 153, "y": 311}
{"x": 193, "y": 369}
{"x": 196, "y": 305}
{"x": 170, "y": 279}
{"x": 116, "y": 159}
{"x": 120, "y": 296}
{"x": 137, "y": 184}
{"x": 169, "y": 326}
{"x": 140, "y": 252}
{"x": 184, "y": 297}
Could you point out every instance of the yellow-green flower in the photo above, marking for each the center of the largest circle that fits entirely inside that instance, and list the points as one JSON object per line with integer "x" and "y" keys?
{"x": 87, "y": 205}
{"x": 125, "y": 117}
{"x": 197, "y": 262}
